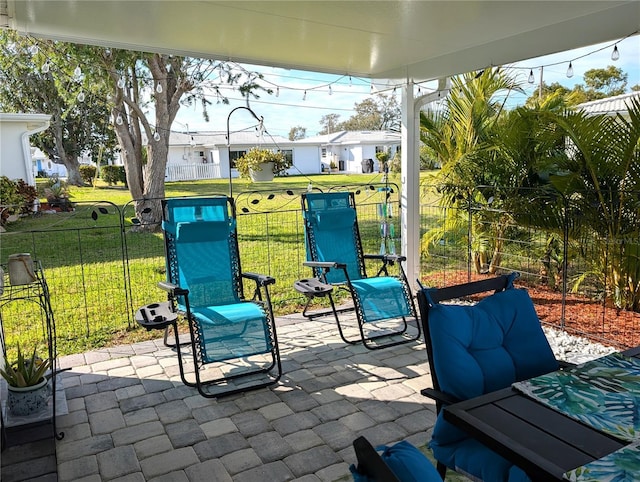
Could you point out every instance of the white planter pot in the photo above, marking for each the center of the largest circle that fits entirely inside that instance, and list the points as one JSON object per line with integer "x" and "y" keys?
{"x": 265, "y": 175}
{"x": 28, "y": 400}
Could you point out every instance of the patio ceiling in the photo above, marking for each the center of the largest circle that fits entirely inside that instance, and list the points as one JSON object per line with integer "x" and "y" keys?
{"x": 415, "y": 40}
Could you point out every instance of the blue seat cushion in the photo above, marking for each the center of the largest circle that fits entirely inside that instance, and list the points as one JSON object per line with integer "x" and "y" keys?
{"x": 232, "y": 331}
{"x": 488, "y": 346}
{"x": 409, "y": 464}
{"x": 470, "y": 457}
{"x": 406, "y": 462}
{"x": 382, "y": 298}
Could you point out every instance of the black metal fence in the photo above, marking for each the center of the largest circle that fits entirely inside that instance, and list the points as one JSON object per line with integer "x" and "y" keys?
{"x": 100, "y": 267}
{"x": 584, "y": 277}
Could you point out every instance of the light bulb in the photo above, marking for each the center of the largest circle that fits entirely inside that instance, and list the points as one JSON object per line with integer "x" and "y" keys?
{"x": 121, "y": 83}
{"x": 119, "y": 120}
{"x": 330, "y": 91}
{"x": 77, "y": 72}
{"x": 45, "y": 67}
{"x": 350, "y": 82}
{"x": 33, "y": 49}
{"x": 159, "y": 88}
{"x": 81, "y": 96}
{"x": 156, "y": 136}
{"x": 570, "y": 70}
{"x": 531, "y": 79}
{"x": 304, "y": 97}
{"x": 615, "y": 55}
{"x": 277, "y": 91}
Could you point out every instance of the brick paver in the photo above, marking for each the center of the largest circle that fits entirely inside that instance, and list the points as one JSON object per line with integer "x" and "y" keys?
{"x": 131, "y": 420}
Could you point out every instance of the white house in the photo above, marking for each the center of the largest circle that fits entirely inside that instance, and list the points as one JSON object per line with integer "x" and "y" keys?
{"x": 348, "y": 149}
{"x": 16, "y": 161}
{"x": 205, "y": 155}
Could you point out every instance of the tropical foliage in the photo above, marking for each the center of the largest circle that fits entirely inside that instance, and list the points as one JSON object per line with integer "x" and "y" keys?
{"x": 538, "y": 166}
{"x": 600, "y": 178}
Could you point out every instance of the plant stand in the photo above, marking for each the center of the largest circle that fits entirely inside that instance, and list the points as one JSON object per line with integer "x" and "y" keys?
{"x": 36, "y": 294}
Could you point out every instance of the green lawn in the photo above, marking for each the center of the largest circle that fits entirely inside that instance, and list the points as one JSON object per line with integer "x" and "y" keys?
{"x": 99, "y": 271}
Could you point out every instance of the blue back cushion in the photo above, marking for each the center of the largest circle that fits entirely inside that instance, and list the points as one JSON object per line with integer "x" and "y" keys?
{"x": 481, "y": 348}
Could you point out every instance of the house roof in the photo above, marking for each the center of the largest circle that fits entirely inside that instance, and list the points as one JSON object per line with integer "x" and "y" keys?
{"x": 353, "y": 137}
{"x": 618, "y": 104}
{"x": 219, "y": 138}
{"x": 407, "y": 40}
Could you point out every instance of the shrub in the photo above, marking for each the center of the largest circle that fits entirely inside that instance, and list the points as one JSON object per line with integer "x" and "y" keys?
{"x": 16, "y": 197}
{"x": 28, "y": 193}
{"x": 88, "y": 173}
{"x": 111, "y": 174}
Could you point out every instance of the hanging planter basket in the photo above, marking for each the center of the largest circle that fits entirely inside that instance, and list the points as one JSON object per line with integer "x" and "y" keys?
{"x": 264, "y": 173}
{"x": 261, "y": 165}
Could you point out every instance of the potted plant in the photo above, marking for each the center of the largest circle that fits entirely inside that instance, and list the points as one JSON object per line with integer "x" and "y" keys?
{"x": 262, "y": 164}
{"x": 58, "y": 196}
{"x": 27, "y": 380}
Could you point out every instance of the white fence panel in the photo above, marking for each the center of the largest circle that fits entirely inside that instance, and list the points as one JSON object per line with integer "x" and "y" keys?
{"x": 192, "y": 172}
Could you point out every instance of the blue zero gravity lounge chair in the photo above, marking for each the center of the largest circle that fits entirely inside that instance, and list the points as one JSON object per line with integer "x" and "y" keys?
{"x": 385, "y": 310}
{"x": 233, "y": 340}
{"x": 473, "y": 350}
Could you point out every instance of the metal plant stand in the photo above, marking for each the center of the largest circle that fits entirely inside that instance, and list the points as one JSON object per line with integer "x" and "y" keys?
{"x": 37, "y": 293}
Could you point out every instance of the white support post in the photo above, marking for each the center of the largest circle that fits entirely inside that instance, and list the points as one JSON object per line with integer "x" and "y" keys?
{"x": 410, "y": 179}
{"x": 410, "y": 176}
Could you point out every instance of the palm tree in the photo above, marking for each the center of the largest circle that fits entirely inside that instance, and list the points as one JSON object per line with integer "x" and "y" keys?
{"x": 462, "y": 137}
{"x": 600, "y": 178}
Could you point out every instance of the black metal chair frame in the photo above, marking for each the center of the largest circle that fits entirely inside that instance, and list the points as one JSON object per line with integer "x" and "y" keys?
{"x": 261, "y": 296}
{"x": 320, "y": 270}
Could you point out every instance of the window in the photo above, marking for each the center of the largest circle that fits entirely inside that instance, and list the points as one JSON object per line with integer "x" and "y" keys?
{"x": 380, "y": 149}
{"x": 288, "y": 154}
{"x": 233, "y": 155}
{"x": 324, "y": 152}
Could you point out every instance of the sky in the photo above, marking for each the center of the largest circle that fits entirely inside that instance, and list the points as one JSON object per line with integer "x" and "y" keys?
{"x": 288, "y": 106}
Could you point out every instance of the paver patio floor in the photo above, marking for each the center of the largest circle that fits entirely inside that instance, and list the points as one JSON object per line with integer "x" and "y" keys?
{"x": 131, "y": 418}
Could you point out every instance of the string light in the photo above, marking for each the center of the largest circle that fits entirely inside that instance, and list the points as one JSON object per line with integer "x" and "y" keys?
{"x": 156, "y": 136}
{"x": 119, "y": 120}
{"x": 615, "y": 55}
{"x": 340, "y": 81}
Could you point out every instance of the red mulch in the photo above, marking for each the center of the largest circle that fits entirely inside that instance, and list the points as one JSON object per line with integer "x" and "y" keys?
{"x": 583, "y": 316}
